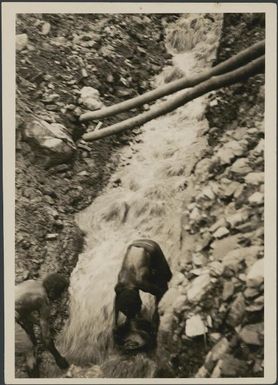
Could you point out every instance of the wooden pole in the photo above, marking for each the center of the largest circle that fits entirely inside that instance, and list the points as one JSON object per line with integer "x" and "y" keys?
{"x": 214, "y": 83}
{"x": 236, "y": 61}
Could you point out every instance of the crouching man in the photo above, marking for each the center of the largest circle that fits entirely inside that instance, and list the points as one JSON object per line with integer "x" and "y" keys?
{"x": 144, "y": 268}
{"x": 36, "y": 296}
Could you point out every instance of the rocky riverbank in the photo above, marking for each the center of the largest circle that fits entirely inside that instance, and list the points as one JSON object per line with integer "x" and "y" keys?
{"x": 215, "y": 306}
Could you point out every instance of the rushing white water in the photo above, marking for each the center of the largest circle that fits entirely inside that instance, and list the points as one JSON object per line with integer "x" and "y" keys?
{"x": 147, "y": 202}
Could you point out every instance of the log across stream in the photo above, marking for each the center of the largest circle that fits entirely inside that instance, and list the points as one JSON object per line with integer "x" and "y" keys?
{"x": 145, "y": 203}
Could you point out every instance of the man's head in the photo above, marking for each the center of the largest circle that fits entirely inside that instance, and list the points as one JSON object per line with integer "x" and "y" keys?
{"x": 54, "y": 285}
{"x": 128, "y": 302}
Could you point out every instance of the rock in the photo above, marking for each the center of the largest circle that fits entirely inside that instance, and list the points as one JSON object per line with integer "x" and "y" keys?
{"x": 46, "y": 28}
{"x": 241, "y": 167}
{"x": 216, "y": 352}
{"x": 51, "y": 140}
{"x": 255, "y": 275}
{"x": 229, "y": 151}
{"x": 204, "y": 242}
{"x": 250, "y": 292}
{"x": 228, "y": 187}
{"x": 259, "y": 149}
{"x": 216, "y": 268}
{"x": 256, "y": 199}
{"x": 216, "y": 373}
{"x": 220, "y": 223}
{"x": 258, "y": 368}
{"x": 253, "y": 334}
{"x": 177, "y": 279}
{"x": 202, "y": 373}
{"x": 198, "y": 288}
{"x": 179, "y": 303}
{"x": 237, "y": 311}
{"x": 248, "y": 254}
{"x": 206, "y": 194}
{"x": 232, "y": 367}
{"x": 214, "y": 337}
{"x": 51, "y": 237}
{"x": 89, "y": 97}
{"x": 222, "y": 246}
{"x": 228, "y": 290}
{"x": 257, "y": 305}
{"x": 221, "y": 232}
{"x": 238, "y": 218}
{"x": 255, "y": 178}
{"x": 199, "y": 259}
{"x": 195, "y": 326}
{"x": 21, "y": 42}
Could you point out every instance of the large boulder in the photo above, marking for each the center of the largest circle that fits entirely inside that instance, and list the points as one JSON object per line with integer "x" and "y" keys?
{"x": 51, "y": 142}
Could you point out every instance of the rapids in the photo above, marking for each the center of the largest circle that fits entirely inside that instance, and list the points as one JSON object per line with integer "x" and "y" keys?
{"x": 146, "y": 202}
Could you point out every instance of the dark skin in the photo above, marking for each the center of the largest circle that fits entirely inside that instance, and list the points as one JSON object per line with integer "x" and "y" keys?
{"x": 144, "y": 268}
{"x": 31, "y": 296}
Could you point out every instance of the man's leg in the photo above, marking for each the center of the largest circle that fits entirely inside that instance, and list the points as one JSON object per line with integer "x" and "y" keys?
{"x": 60, "y": 360}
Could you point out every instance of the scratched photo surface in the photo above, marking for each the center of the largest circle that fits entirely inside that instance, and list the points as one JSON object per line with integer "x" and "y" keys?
{"x": 139, "y": 212}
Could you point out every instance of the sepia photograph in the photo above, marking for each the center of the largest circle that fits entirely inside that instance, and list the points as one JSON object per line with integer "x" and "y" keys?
{"x": 139, "y": 207}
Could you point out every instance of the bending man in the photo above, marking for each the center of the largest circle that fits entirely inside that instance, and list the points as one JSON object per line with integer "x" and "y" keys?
{"x": 32, "y": 296}
{"x": 144, "y": 268}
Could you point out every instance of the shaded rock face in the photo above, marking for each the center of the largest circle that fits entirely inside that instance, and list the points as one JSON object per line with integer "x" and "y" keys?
{"x": 50, "y": 141}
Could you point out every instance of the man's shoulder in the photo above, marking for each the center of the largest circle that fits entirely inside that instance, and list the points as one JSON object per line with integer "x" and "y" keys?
{"x": 32, "y": 289}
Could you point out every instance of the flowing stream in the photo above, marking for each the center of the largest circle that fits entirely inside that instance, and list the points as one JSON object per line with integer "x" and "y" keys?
{"x": 144, "y": 198}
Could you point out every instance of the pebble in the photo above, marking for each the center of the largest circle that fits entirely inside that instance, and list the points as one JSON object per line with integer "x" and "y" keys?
{"x": 241, "y": 166}
{"x": 228, "y": 290}
{"x": 195, "y": 326}
{"x": 238, "y": 218}
{"x": 216, "y": 268}
{"x": 221, "y": 232}
{"x": 220, "y": 223}
{"x": 21, "y": 41}
{"x": 256, "y": 199}
{"x": 252, "y": 334}
{"x": 214, "y": 337}
{"x": 199, "y": 259}
{"x": 51, "y": 237}
{"x": 255, "y": 275}
{"x": 255, "y": 178}
{"x": 232, "y": 367}
{"x": 257, "y": 305}
{"x": 237, "y": 311}
{"x": 250, "y": 292}
{"x": 259, "y": 149}
{"x": 46, "y": 28}
{"x": 198, "y": 287}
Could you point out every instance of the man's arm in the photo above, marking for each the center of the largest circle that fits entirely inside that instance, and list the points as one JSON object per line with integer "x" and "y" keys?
{"x": 44, "y": 322}
{"x": 145, "y": 284}
{"x": 49, "y": 343}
